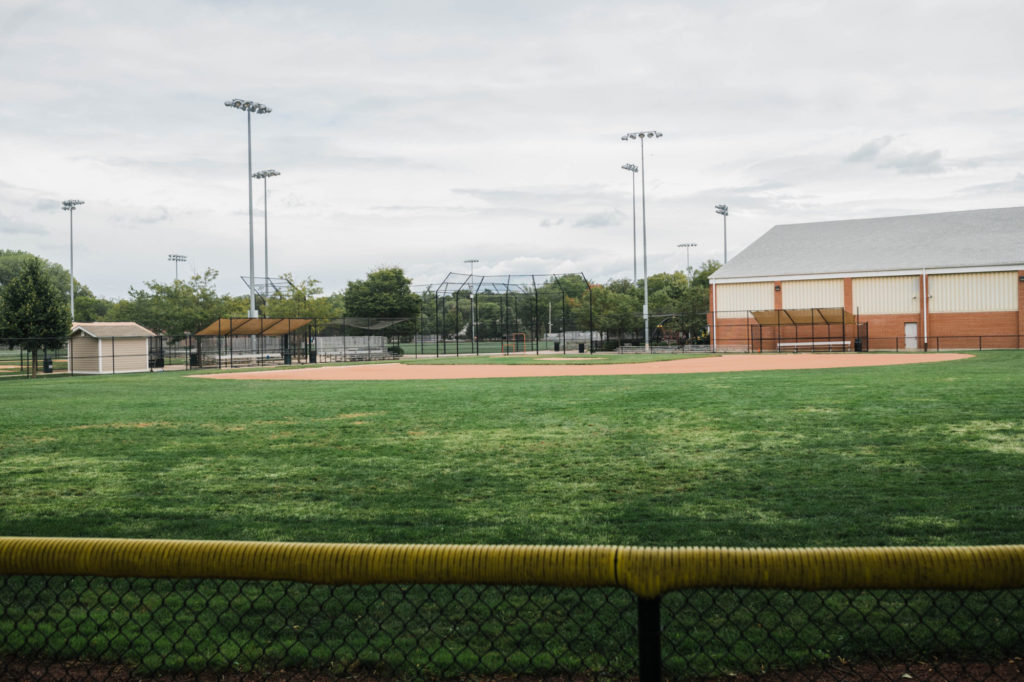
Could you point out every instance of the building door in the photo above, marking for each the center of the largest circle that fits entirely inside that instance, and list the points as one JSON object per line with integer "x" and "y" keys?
{"x": 910, "y": 335}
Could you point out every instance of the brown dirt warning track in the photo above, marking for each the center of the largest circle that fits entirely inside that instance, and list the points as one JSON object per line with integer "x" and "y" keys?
{"x": 725, "y": 363}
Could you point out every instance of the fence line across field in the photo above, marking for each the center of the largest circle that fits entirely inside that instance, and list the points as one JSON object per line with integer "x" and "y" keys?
{"x": 168, "y": 606}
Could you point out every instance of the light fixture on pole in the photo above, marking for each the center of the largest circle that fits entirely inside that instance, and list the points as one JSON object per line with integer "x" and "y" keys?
{"x": 250, "y": 107}
{"x": 472, "y": 307}
{"x": 263, "y": 175}
{"x": 177, "y": 258}
{"x": 643, "y": 209}
{"x": 631, "y": 167}
{"x": 687, "y": 247}
{"x": 70, "y": 206}
{"x": 723, "y": 211}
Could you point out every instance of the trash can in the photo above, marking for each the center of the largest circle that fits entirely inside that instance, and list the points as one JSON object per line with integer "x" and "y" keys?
{"x": 857, "y": 348}
{"x": 193, "y": 360}
{"x": 312, "y": 357}
{"x": 558, "y": 346}
{"x": 287, "y": 357}
{"x": 582, "y": 346}
{"x": 47, "y": 365}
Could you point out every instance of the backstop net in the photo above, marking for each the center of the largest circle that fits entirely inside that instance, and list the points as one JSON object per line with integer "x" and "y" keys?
{"x": 473, "y": 314}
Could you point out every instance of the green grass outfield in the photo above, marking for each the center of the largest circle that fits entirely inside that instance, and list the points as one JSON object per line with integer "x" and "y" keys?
{"x": 926, "y": 454}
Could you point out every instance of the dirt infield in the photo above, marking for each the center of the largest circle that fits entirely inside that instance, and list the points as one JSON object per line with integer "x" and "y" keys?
{"x": 724, "y": 363}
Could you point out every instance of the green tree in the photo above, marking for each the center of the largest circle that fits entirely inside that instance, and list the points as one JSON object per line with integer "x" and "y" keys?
{"x": 385, "y": 293}
{"x": 88, "y": 306}
{"x": 33, "y": 311}
{"x": 181, "y": 307}
{"x": 615, "y": 313}
{"x": 303, "y": 300}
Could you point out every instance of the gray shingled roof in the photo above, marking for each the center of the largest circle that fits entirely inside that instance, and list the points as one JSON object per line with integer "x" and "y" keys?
{"x": 985, "y": 237}
{"x": 108, "y": 330}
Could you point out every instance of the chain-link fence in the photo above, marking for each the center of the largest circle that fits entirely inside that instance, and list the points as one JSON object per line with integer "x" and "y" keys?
{"x": 620, "y": 613}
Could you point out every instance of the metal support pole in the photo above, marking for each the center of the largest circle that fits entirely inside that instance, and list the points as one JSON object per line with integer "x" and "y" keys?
{"x": 634, "y": 218}
{"x": 643, "y": 202}
{"x": 71, "y": 215}
{"x": 252, "y": 252}
{"x": 648, "y": 629}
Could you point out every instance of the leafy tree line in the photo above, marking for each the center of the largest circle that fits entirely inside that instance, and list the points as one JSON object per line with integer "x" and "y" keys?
{"x": 678, "y": 302}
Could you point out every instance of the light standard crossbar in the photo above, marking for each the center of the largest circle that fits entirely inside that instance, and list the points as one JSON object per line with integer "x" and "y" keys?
{"x": 687, "y": 246}
{"x": 177, "y": 258}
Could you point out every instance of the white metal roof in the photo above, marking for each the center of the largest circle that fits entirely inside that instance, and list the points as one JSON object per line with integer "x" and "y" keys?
{"x": 107, "y": 330}
{"x": 963, "y": 239}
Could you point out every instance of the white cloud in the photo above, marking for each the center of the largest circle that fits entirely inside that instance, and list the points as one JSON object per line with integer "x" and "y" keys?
{"x": 424, "y": 133}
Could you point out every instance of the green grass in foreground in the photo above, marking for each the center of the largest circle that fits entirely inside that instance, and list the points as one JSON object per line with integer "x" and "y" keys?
{"x": 927, "y": 454}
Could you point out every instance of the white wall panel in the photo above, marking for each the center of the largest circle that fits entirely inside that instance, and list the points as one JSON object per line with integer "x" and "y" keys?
{"x": 886, "y": 295}
{"x": 813, "y": 293}
{"x": 973, "y": 292}
{"x": 734, "y": 300}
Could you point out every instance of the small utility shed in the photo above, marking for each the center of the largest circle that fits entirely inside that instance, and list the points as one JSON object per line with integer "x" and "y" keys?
{"x": 108, "y": 348}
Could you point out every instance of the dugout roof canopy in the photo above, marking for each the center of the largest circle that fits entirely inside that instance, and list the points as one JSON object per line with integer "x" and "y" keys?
{"x": 802, "y": 316}
{"x": 253, "y": 326}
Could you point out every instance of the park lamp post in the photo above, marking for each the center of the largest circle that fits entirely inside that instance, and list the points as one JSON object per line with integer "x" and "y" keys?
{"x": 263, "y": 175}
{"x": 70, "y": 206}
{"x": 631, "y": 167}
{"x": 472, "y": 308}
{"x": 177, "y": 258}
{"x": 687, "y": 246}
{"x": 643, "y": 209}
{"x": 250, "y": 107}
{"x": 723, "y": 210}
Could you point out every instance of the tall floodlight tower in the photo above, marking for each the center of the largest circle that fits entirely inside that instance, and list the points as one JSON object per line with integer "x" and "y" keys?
{"x": 250, "y": 107}
{"x": 643, "y": 210}
{"x": 70, "y": 206}
{"x": 687, "y": 246}
{"x": 263, "y": 175}
{"x": 631, "y": 167}
{"x": 177, "y": 258}
{"x": 723, "y": 210}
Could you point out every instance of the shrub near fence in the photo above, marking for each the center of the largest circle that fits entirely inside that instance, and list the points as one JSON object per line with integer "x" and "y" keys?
{"x": 120, "y": 608}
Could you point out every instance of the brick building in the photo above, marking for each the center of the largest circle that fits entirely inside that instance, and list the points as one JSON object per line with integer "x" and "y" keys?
{"x": 934, "y": 281}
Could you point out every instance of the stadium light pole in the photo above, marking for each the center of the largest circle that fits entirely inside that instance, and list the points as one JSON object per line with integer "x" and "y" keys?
{"x": 70, "y": 206}
{"x": 177, "y": 258}
{"x": 687, "y": 246}
{"x": 250, "y": 107}
{"x": 631, "y": 167}
{"x": 472, "y": 306}
{"x": 723, "y": 211}
{"x": 263, "y": 175}
{"x": 643, "y": 209}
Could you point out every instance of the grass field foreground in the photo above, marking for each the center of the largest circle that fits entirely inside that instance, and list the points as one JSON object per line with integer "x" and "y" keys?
{"x": 876, "y": 456}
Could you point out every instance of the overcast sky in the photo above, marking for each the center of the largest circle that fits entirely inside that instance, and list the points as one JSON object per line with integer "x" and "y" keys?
{"x": 421, "y": 133}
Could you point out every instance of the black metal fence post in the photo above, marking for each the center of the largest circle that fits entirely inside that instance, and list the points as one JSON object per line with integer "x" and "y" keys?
{"x": 648, "y": 629}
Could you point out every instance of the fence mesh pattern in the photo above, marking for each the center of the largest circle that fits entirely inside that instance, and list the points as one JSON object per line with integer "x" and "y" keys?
{"x": 63, "y": 627}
